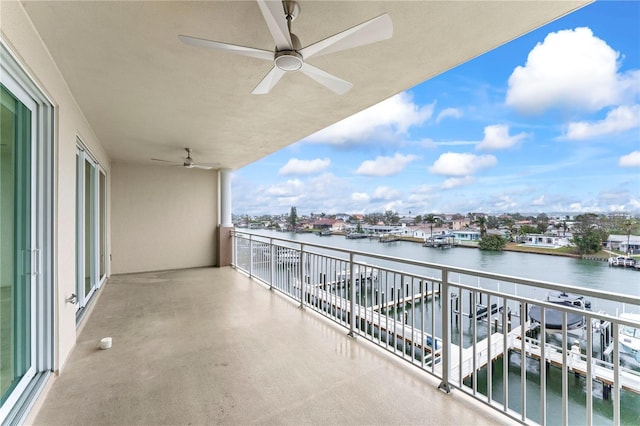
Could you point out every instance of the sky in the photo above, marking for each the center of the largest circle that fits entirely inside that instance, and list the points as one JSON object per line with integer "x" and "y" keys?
{"x": 548, "y": 123}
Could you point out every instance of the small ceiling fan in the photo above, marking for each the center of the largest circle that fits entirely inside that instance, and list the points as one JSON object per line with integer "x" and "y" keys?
{"x": 289, "y": 56}
{"x": 188, "y": 162}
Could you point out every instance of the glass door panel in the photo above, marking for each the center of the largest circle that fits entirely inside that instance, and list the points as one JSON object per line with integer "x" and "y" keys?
{"x": 102, "y": 197}
{"x": 89, "y": 281}
{"x": 15, "y": 244}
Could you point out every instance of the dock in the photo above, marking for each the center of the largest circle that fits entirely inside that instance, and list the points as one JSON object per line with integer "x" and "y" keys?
{"x": 462, "y": 360}
{"x": 409, "y": 299}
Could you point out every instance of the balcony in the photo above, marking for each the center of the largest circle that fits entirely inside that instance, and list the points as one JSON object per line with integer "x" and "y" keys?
{"x": 216, "y": 346}
{"x": 212, "y": 346}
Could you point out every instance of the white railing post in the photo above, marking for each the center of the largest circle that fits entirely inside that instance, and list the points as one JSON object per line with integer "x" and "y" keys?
{"x": 250, "y": 256}
{"x": 446, "y": 332}
{"x": 301, "y": 275}
{"x": 352, "y": 302}
{"x": 272, "y": 263}
{"x": 234, "y": 254}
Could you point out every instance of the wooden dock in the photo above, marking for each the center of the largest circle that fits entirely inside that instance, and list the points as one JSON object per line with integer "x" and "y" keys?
{"x": 576, "y": 362}
{"x": 395, "y": 328}
{"x": 409, "y": 299}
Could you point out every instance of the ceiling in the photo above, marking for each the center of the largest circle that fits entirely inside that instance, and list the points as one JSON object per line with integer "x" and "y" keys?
{"x": 146, "y": 94}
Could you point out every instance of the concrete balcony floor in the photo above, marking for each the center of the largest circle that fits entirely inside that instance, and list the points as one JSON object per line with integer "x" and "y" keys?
{"x": 211, "y": 346}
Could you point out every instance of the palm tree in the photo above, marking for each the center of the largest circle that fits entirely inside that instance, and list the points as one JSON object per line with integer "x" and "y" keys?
{"x": 481, "y": 221}
{"x": 431, "y": 219}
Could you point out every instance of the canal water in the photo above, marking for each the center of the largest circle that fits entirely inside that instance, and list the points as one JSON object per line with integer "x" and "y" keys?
{"x": 594, "y": 275}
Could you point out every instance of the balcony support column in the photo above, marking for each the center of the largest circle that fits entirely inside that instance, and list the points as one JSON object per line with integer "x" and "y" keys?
{"x": 226, "y": 224}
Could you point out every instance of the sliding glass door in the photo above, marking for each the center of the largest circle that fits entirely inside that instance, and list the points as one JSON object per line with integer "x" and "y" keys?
{"x": 90, "y": 226}
{"x": 17, "y": 247}
{"x": 27, "y": 195}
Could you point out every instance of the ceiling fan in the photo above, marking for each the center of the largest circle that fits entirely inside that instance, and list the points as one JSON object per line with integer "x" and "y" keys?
{"x": 188, "y": 162}
{"x": 289, "y": 56}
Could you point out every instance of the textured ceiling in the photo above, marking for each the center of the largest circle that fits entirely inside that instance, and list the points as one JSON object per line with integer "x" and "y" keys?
{"x": 146, "y": 94}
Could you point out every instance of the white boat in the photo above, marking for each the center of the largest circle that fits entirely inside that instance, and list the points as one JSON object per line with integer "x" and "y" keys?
{"x": 623, "y": 261}
{"x": 629, "y": 337}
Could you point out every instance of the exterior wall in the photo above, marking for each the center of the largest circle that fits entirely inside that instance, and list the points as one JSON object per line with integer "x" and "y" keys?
{"x": 20, "y": 37}
{"x": 162, "y": 218}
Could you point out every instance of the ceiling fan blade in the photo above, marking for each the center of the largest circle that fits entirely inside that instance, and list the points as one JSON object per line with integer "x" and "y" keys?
{"x": 330, "y": 81}
{"x": 231, "y": 48}
{"x": 269, "y": 81}
{"x": 371, "y": 31}
{"x": 201, "y": 166}
{"x": 274, "y": 16}
{"x": 165, "y": 161}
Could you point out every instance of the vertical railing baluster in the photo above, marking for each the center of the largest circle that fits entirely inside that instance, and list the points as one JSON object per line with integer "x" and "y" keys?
{"x": 301, "y": 257}
{"x": 272, "y": 261}
{"x": 446, "y": 332}
{"x": 616, "y": 373}
{"x": 565, "y": 367}
{"x": 250, "y": 257}
{"x": 543, "y": 367}
{"x": 433, "y": 324}
{"x": 474, "y": 337}
{"x": 589, "y": 380}
{"x": 505, "y": 354}
{"x": 459, "y": 321}
{"x": 489, "y": 364}
{"x": 523, "y": 362}
{"x": 234, "y": 254}
{"x": 352, "y": 302}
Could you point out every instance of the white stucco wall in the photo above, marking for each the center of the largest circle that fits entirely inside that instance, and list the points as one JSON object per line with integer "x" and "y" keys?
{"x": 20, "y": 37}
{"x": 162, "y": 217}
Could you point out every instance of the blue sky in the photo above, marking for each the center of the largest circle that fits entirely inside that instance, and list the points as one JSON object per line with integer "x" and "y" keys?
{"x": 549, "y": 122}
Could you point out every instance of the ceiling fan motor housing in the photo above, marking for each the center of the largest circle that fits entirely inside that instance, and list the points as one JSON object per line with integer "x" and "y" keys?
{"x": 288, "y": 60}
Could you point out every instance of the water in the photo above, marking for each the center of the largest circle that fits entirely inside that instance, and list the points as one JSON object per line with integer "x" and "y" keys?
{"x": 589, "y": 274}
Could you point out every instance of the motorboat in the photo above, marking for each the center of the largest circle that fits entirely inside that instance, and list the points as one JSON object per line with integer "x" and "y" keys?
{"x": 553, "y": 317}
{"x": 629, "y": 337}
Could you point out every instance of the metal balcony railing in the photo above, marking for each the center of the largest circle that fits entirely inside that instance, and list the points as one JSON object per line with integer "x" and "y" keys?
{"x": 488, "y": 335}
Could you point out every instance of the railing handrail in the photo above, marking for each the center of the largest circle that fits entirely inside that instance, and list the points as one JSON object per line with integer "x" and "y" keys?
{"x": 548, "y": 285}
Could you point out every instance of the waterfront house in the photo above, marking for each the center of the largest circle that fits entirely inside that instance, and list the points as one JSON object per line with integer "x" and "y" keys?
{"x": 466, "y": 235}
{"x": 545, "y": 240}
{"x": 623, "y": 243}
{"x": 104, "y": 87}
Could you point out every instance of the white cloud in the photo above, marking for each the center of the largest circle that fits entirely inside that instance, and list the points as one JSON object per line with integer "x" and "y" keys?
{"x": 385, "y": 193}
{"x": 461, "y": 164}
{"x": 390, "y": 117}
{"x": 630, "y": 160}
{"x": 497, "y": 137}
{"x": 617, "y": 120}
{"x": 360, "y": 197}
{"x": 571, "y": 69}
{"x": 304, "y": 167}
{"x": 505, "y": 202}
{"x": 454, "y": 182}
{"x": 290, "y": 188}
{"x": 617, "y": 208}
{"x": 448, "y": 113}
{"x": 385, "y": 166}
{"x": 538, "y": 201}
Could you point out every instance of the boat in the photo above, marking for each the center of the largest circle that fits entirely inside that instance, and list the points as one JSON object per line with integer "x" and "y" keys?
{"x": 629, "y": 337}
{"x": 355, "y": 235}
{"x": 553, "y": 317}
{"x": 624, "y": 261}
